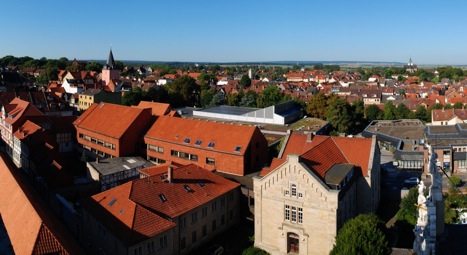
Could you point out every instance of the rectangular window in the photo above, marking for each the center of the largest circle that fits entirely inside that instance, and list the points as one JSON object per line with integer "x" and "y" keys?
{"x": 194, "y": 217}
{"x": 287, "y": 212}
{"x": 182, "y": 243}
{"x": 182, "y": 222}
{"x": 210, "y": 161}
{"x": 294, "y": 214}
{"x": 155, "y": 148}
{"x": 193, "y": 236}
{"x": 213, "y": 225}
{"x": 300, "y": 215}
{"x": 204, "y": 212}
{"x": 231, "y": 214}
{"x": 205, "y": 231}
{"x": 222, "y": 219}
{"x": 222, "y": 201}
{"x": 163, "y": 241}
{"x": 214, "y": 206}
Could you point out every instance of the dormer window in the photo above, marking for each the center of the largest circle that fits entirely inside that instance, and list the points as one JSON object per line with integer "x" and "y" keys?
{"x": 198, "y": 142}
{"x": 211, "y": 144}
{"x": 238, "y": 148}
{"x": 187, "y": 140}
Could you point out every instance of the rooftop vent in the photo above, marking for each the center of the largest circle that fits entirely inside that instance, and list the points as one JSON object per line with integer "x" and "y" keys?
{"x": 112, "y": 202}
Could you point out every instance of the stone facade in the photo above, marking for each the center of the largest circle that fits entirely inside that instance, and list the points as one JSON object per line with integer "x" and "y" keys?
{"x": 320, "y": 211}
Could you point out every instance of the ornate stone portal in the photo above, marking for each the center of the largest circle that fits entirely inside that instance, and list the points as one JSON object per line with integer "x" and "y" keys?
{"x": 430, "y": 222}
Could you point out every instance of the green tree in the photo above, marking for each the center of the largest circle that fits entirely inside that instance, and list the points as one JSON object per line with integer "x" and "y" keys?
{"x": 436, "y": 106}
{"x": 182, "y": 91}
{"x": 339, "y": 115}
{"x": 373, "y": 112}
{"x": 207, "y": 96}
{"x": 458, "y": 105}
{"x": 359, "y": 120}
{"x": 271, "y": 95}
{"x": 408, "y": 211}
{"x": 402, "y": 111}
{"x": 245, "y": 81}
{"x": 249, "y": 99}
{"x": 389, "y": 111}
{"x": 156, "y": 94}
{"x": 93, "y": 66}
{"x": 421, "y": 113}
{"x": 132, "y": 97}
{"x": 317, "y": 106}
{"x": 362, "y": 235}
{"x": 233, "y": 99}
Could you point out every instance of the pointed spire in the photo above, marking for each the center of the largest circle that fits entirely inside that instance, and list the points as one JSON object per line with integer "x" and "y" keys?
{"x": 110, "y": 61}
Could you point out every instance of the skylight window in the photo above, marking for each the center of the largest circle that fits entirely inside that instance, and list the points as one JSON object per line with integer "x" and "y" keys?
{"x": 198, "y": 142}
{"x": 211, "y": 144}
{"x": 112, "y": 202}
{"x": 238, "y": 148}
{"x": 187, "y": 188}
{"x": 162, "y": 197}
{"x": 187, "y": 140}
{"x": 201, "y": 184}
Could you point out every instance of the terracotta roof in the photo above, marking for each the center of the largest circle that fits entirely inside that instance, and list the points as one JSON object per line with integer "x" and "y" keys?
{"x": 323, "y": 156}
{"x": 322, "y": 152}
{"x": 158, "y": 109}
{"x": 31, "y": 225}
{"x": 108, "y": 119}
{"x": 129, "y": 221}
{"x": 19, "y": 108}
{"x": 132, "y": 210}
{"x": 225, "y": 137}
{"x": 203, "y": 187}
{"x": 28, "y": 128}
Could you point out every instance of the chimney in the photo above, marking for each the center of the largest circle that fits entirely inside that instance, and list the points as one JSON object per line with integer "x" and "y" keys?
{"x": 170, "y": 172}
{"x": 309, "y": 137}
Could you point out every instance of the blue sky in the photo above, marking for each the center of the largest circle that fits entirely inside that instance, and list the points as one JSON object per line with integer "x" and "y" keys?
{"x": 428, "y": 31}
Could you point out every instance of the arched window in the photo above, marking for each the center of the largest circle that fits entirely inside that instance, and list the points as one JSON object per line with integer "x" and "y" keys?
{"x": 293, "y": 190}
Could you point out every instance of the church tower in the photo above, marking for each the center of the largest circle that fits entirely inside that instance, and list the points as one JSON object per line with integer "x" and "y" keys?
{"x": 109, "y": 71}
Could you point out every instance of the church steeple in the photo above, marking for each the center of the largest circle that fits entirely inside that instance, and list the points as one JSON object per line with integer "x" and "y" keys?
{"x": 110, "y": 64}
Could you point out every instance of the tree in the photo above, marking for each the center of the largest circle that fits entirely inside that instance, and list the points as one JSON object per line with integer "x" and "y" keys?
{"x": 207, "y": 96}
{"x": 271, "y": 95}
{"x": 93, "y": 66}
{"x": 245, "y": 81}
{"x": 458, "y": 105}
{"x": 358, "y": 116}
{"x": 373, "y": 112}
{"x": 317, "y": 106}
{"x": 156, "y": 94}
{"x": 408, "y": 211}
{"x": 389, "y": 111}
{"x": 249, "y": 99}
{"x": 182, "y": 91}
{"x": 402, "y": 111}
{"x": 339, "y": 115}
{"x": 421, "y": 113}
{"x": 132, "y": 97}
{"x": 436, "y": 106}
{"x": 364, "y": 234}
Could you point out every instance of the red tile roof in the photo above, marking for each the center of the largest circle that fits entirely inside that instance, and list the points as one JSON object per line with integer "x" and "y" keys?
{"x": 179, "y": 200}
{"x": 108, "y": 119}
{"x": 132, "y": 210}
{"x": 226, "y": 137}
{"x": 158, "y": 109}
{"x": 19, "y": 108}
{"x": 322, "y": 152}
{"x": 31, "y": 225}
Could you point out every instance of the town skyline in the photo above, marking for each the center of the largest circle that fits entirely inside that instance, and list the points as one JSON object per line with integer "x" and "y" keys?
{"x": 238, "y": 31}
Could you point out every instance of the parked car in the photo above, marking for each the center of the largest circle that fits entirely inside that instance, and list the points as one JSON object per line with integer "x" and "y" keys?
{"x": 411, "y": 181}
